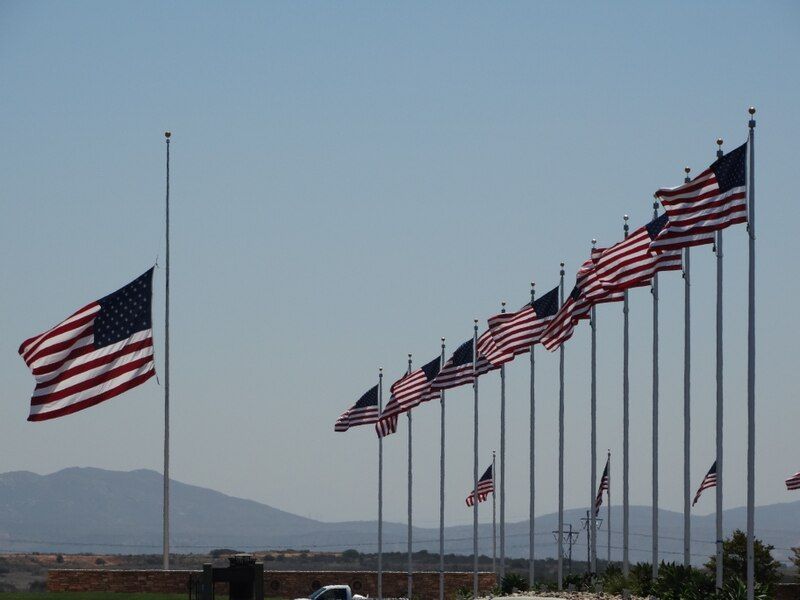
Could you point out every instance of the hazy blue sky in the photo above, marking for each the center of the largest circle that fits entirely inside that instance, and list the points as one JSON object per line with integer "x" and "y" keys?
{"x": 354, "y": 180}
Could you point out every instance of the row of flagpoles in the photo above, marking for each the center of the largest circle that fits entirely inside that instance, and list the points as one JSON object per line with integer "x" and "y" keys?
{"x": 105, "y": 349}
{"x": 695, "y": 214}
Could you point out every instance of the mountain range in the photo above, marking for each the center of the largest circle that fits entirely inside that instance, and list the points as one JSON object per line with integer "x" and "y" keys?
{"x": 95, "y": 510}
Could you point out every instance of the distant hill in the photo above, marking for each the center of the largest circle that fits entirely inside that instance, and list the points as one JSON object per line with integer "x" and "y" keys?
{"x": 94, "y": 510}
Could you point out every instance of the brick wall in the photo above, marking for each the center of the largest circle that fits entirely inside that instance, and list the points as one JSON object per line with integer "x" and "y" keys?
{"x": 277, "y": 584}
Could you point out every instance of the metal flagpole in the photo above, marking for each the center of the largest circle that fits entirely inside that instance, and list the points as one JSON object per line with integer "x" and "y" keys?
{"x": 751, "y": 358}
{"x": 380, "y": 490}
{"x": 625, "y": 427}
{"x": 475, "y": 461}
{"x": 720, "y": 399}
{"x": 502, "y": 466}
{"x": 654, "y": 513}
{"x": 494, "y": 519}
{"x": 687, "y": 406}
{"x": 561, "y": 448}
{"x": 441, "y": 489}
{"x": 532, "y": 449}
{"x": 608, "y": 513}
{"x": 167, "y": 135}
{"x": 410, "y": 503}
{"x": 592, "y": 533}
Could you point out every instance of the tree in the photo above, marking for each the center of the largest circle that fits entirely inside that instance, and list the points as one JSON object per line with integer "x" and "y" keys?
{"x": 795, "y": 558}
{"x": 734, "y": 560}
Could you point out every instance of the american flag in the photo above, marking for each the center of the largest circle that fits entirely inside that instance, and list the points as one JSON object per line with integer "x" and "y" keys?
{"x": 632, "y": 262}
{"x": 713, "y": 200}
{"x": 485, "y": 487}
{"x": 458, "y": 369}
{"x": 491, "y": 351}
{"x": 592, "y": 289}
{"x": 411, "y": 390}
{"x": 793, "y": 483}
{"x": 99, "y": 352}
{"x": 604, "y": 485}
{"x": 709, "y": 481}
{"x": 363, "y": 412}
{"x": 517, "y": 332}
{"x": 562, "y": 326}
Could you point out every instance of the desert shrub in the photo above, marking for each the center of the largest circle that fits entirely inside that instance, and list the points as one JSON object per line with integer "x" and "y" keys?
{"x": 59, "y": 558}
{"x": 351, "y": 554}
{"x": 99, "y": 561}
{"x": 677, "y": 582}
{"x": 464, "y": 593}
{"x": 578, "y": 582}
{"x": 513, "y": 582}
{"x": 736, "y": 589}
{"x": 613, "y": 580}
{"x": 37, "y": 586}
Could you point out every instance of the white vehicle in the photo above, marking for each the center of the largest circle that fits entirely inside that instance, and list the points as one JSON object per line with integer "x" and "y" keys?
{"x": 334, "y": 592}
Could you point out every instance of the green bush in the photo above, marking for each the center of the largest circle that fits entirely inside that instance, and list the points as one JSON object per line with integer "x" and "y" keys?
{"x": 677, "y": 582}
{"x": 736, "y": 589}
{"x": 512, "y": 582}
{"x": 734, "y": 561}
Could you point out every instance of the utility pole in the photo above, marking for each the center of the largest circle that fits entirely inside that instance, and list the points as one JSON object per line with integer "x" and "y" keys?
{"x": 570, "y": 537}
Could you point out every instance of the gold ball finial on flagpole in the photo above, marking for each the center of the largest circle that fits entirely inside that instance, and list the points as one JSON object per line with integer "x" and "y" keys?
{"x": 594, "y": 242}
{"x": 752, "y": 110}
{"x": 687, "y": 170}
{"x": 720, "y": 142}
{"x": 167, "y": 134}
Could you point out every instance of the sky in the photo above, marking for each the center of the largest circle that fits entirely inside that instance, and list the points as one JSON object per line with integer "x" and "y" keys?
{"x": 352, "y": 181}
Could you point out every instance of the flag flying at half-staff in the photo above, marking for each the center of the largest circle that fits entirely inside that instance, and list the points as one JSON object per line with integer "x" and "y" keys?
{"x": 99, "y": 352}
{"x": 517, "y": 332}
{"x": 709, "y": 481}
{"x": 485, "y": 487}
{"x": 363, "y": 412}
{"x": 603, "y": 487}
{"x": 712, "y": 201}
{"x": 793, "y": 482}
{"x": 407, "y": 392}
{"x": 632, "y": 262}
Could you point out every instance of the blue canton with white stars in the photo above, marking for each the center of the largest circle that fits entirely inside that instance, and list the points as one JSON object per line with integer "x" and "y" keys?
{"x": 124, "y": 312}
{"x": 547, "y": 305}
{"x": 730, "y": 169}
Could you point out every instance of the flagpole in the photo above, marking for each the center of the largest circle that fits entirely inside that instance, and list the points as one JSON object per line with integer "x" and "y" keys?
{"x": 380, "y": 490}
{"x": 625, "y": 427}
{"x": 502, "y": 466}
{"x": 474, "y": 461}
{"x": 441, "y": 488}
{"x": 593, "y": 486}
{"x": 608, "y": 513}
{"x": 561, "y": 447}
{"x": 167, "y": 136}
{"x": 687, "y": 397}
{"x": 720, "y": 399}
{"x": 531, "y": 465}
{"x": 654, "y": 511}
{"x": 751, "y": 359}
{"x": 494, "y": 520}
{"x": 410, "y": 502}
